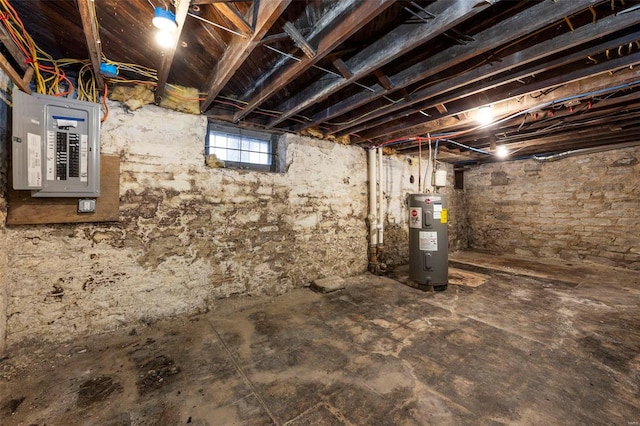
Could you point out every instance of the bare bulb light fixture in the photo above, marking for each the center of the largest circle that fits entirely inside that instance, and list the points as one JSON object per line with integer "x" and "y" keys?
{"x": 502, "y": 151}
{"x": 165, "y": 39}
{"x": 484, "y": 115}
{"x": 164, "y": 20}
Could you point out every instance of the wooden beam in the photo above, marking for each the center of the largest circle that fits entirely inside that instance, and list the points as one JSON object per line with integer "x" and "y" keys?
{"x": 12, "y": 48}
{"x": 383, "y": 80}
{"x": 344, "y": 19}
{"x": 530, "y": 55}
{"x": 13, "y": 75}
{"x": 513, "y": 28}
{"x": 218, "y": 1}
{"x": 584, "y": 80}
{"x": 182, "y": 8}
{"x": 559, "y": 83}
{"x": 299, "y": 40}
{"x": 240, "y": 48}
{"x": 342, "y": 68}
{"x": 92, "y": 36}
{"x": 398, "y": 41}
{"x": 231, "y": 13}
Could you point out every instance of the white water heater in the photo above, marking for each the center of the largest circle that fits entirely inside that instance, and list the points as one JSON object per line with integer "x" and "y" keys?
{"x": 428, "y": 242}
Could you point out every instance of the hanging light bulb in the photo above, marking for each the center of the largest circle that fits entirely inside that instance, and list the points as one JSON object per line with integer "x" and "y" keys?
{"x": 165, "y": 39}
{"x": 502, "y": 151}
{"x": 484, "y": 115}
{"x": 164, "y": 20}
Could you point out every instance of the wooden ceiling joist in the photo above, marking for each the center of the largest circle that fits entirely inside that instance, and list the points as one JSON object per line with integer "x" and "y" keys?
{"x": 398, "y": 41}
{"x": 240, "y": 48}
{"x": 383, "y": 80}
{"x": 299, "y": 39}
{"x": 342, "y": 68}
{"x": 21, "y": 82}
{"x": 581, "y": 81}
{"x": 464, "y": 85}
{"x": 92, "y": 37}
{"x": 342, "y": 21}
{"x": 182, "y": 8}
{"x": 233, "y": 15}
{"x": 513, "y": 28}
{"x": 13, "y": 49}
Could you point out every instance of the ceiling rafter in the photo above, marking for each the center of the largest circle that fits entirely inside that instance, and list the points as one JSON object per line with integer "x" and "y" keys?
{"x": 92, "y": 36}
{"x": 182, "y": 8}
{"x": 240, "y": 48}
{"x": 463, "y": 86}
{"x": 582, "y": 81}
{"x": 233, "y": 15}
{"x": 342, "y": 21}
{"x": 13, "y": 50}
{"x": 21, "y": 82}
{"x": 398, "y": 41}
{"x": 516, "y": 27}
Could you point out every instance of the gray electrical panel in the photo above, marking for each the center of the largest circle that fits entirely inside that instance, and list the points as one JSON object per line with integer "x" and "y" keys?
{"x": 55, "y": 146}
{"x": 428, "y": 241}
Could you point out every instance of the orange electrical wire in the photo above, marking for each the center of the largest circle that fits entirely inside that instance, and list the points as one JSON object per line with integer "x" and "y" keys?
{"x": 104, "y": 102}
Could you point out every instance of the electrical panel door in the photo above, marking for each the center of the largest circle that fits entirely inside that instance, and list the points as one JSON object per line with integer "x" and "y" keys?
{"x": 55, "y": 146}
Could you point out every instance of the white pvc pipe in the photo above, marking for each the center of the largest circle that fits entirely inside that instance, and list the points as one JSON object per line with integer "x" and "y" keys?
{"x": 380, "y": 199}
{"x": 373, "y": 232}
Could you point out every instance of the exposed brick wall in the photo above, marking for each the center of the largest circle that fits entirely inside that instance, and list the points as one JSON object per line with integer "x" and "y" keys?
{"x": 188, "y": 234}
{"x": 581, "y": 207}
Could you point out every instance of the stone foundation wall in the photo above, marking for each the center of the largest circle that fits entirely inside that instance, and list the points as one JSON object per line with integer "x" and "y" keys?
{"x": 579, "y": 208}
{"x": 5, "y": 89}
{"x": 187, "y": 234}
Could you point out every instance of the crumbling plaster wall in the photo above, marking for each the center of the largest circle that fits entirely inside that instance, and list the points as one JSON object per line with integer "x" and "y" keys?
{"x": 579, "y": 208}
{"x": 400, "y": 170}
{"x": 187, "y": 234}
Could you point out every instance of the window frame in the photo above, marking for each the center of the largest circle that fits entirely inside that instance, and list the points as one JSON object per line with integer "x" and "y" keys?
{"x": 276, "y": 147}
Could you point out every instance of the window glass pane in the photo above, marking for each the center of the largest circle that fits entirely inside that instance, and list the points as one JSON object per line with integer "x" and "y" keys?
{"x": 232, "y": 146}
{"x": 233, "y": 155}
{"x": 254, "y": 157}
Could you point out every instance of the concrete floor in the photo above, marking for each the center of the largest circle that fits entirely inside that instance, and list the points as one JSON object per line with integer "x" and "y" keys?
{"x": 537, "y": 343}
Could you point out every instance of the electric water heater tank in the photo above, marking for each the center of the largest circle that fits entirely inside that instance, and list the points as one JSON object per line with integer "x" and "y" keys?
{"x": 428, "y": 242}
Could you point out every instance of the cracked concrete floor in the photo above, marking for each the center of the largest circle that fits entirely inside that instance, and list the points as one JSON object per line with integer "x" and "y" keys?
{"x": 519, "y": 349}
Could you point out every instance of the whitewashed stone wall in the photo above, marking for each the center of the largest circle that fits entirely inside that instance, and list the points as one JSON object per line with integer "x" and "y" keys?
{"x": 584, "y": 207}
{"x": 187, "y": 234}
{"x": 4, "y": 145}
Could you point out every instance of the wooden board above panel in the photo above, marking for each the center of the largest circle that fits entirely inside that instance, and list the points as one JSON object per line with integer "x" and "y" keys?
{"x": 27, "y": 210}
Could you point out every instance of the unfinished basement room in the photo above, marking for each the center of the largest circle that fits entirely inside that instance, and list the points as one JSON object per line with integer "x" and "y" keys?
{"x": 319, "y": 212}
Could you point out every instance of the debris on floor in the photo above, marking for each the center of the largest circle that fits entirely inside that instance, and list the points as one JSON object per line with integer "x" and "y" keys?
{"x": 328, "y": 284}
{"x": 517, "y": 350}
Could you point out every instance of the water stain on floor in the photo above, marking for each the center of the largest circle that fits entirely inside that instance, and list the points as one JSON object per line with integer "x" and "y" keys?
{"x": 518, "y": 349}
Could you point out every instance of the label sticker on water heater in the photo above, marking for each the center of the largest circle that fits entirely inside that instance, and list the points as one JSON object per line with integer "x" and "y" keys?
{"x": 437, "y": 209}
{"x": 428, "y": 241}
{"x": 415, "y": 217}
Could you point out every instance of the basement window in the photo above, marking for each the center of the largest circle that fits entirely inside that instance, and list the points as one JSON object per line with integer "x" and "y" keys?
{"x": 242, "y": 148}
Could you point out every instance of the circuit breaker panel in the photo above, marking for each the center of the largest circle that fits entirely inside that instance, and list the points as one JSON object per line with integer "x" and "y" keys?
{"x": 55, "y": 146}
